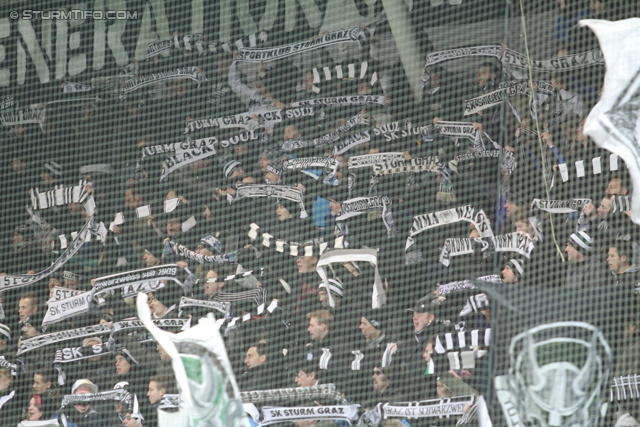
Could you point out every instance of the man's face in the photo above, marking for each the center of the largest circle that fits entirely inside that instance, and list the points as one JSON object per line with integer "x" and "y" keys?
{"x": 484, "y": 75}
{"x": 83, "y": 408}
{"x": 367, "y": 329}
{"x": 30, "y": 331}
{"x": 604, "y": 208}
{"x": 615, "y": 187}
{"x": 26, "y": 308}
{"x": 524, "y": 227}
{"x": 315, "y": 329}
{"x": 53, "y": 282}
{"x": 573, "y": 254}
{"x": 5, "y": 382}
{"x": 291, "y": 132}
{"x": 211, "y": 288}
{"x": 442, "y": 391}
{"x": 263, "y": 162}
{"x": 253, "y": 359}
{"x": 122, "y": 366}
{"x": 154, "y": 393}
{"x": 334, "y": 206}
{"x": 130, "y": 422}
{"x": 173, "y": 227}
{"x": 39, "y": 385}
{"x": 507, "y": 275}
{"x": 282, "y": 213}
{"x": 615, "y": 261}
{"x": 306, "y": 264}
{"x": 163, "y": 354}
{"x": 428, "y": 351}
{"x": 420, "y": 320}
{"x": 380, "y": 380}
{"x": 305, "y": 380}
{"x": 155, "y": 306}
{"x": 322, "y": 297}
{"x": 510, "y": 208}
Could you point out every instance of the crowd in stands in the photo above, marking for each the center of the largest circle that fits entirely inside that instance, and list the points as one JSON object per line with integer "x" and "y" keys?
{"x": 240, "y": 230}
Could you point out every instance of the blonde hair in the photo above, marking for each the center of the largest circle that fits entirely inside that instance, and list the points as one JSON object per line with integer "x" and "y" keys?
{"x": 323, "y": 317}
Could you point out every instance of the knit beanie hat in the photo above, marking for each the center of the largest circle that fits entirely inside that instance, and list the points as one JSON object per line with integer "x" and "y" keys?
{"x": 373, "y": 317}
{"x": 335, "y": 287}
{"x": 5, "y": 331}
{"x": 230, "y": 167}
{"x": 582, "y": 242}
{"x": 517, "y": 266}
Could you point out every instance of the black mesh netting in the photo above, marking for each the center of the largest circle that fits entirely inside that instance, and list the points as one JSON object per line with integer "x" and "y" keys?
{"x": 318, "y": 212}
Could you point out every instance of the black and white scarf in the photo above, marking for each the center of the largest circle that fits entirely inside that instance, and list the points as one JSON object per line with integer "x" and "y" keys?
{"x": 307, "y": 248}
{"x": 222, "y": 307}
{"x": 281, "y": 414}
{"x": 333, "y": 136}
{"x": 340, "y": 101}
{"x": 188, "y": 152}
{"x": 183, "y": 251}
{"x": 361, "y": 205}
{"x": 316, "y": 392}
{"x": 328, "y": 163}
{"x": 59, "y": 196}
{"x": 378, "y": 294}
{"x": 23, "y": 117}
{"x": 56, "y": 337}
{"x": 463, "y": 285}
{"x": 370, "y": 160}
{"x": 18, "y": 281}
{"x": 249, "y": 121}
{"x": 130, "y": 279}
{"x": 419, "y": 164}
{"x": 278, "y": 191}
{"x": 75, "y": 354}
{"x": 135, "y": 83}
{"x": 561, "y": 206}
{"x": 462, "y": 347}
{"x": 454, "y": 406}
{"x": 352, "y": 141}
{"x": 121, "y": 396}
{"x": 512, "y": 242}
{"x": 70, "y": 87}
{"x": 466, "y": 130}
{"x": 427, "y": 221}
{"x": 280, "y": 52}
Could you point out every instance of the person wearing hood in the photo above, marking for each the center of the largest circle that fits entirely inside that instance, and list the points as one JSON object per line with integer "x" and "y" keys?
{"x": 87, "y": 415}
{"x": 585, "y": 268}
{"x": 620, "y": 262}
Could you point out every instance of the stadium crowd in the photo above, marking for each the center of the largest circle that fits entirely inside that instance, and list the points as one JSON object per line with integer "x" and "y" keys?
{"x": 331, "y": 227}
